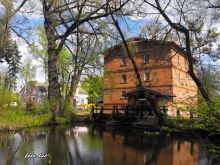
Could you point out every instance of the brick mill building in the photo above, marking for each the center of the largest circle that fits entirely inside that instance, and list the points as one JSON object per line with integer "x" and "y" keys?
{"x": 163, "y": 69}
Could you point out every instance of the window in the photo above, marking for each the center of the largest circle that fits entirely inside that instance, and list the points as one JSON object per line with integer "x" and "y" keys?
{"x": 146, "y": 58}
{"x": 147, "y": 77}
{"x": 123, "y": 94}
{"x": 124, "y": 78}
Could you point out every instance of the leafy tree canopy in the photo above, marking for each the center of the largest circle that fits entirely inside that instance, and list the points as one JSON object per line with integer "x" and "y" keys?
{"x": 93, "y": 85}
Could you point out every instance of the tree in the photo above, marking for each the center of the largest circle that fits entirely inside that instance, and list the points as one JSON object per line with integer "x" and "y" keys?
{"x": 85, "y": 60}
{"x": 12, "y": 57}
{"x": 39, "y": 51}
{"x": 210, "y": 76}
{"x": 9, "y": 11}
{"x": 28, "y": 71}
{"x": 8, "y": 48}
{"x": 190, "y": 28}
{"x": 78, "y": 57}
{"x": 61, "y": 20}
{"x": 213, "y": 4}
{"x": 8, "y": 79}
{"x": 93, "y": 85}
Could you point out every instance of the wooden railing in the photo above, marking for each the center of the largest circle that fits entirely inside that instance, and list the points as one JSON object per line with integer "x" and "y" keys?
{"x": 124, "y": 110}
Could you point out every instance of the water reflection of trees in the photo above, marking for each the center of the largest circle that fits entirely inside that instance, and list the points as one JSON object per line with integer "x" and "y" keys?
{"x": 17, "y": 145}
{"x": 10, "y": 145}
{"x": 73, "y": 146}
{"x": 57, "y": 147}
{"x": 94, "y": 144}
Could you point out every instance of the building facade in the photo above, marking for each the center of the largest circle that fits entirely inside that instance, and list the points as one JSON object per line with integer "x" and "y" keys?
{"x": 34, "y": 91}
{"x": 81, "y": 97}
{"x": 37, "y": 92}
{"x": 162, "y": 66}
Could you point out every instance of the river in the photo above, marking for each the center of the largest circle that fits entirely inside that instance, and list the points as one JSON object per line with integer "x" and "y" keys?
{"x": 97, "y": 145}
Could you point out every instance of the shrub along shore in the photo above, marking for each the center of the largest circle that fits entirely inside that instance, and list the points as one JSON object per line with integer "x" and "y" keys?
{"x": 16, "y": 119}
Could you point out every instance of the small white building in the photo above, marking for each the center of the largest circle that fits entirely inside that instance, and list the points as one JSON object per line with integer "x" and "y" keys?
{"x": 81, "y": 97}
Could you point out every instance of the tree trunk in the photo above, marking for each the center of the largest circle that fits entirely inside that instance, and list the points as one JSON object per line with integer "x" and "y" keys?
{"x": 69, "y": 100}
{"x": 193, "y": 75}
{"x": 154, "y": 104}
{"x": 148, "y": 97}
{"x": 54, "y": 94}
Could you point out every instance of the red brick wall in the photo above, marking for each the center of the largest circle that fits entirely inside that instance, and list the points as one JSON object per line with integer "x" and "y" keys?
{"x": 165, "y": 66}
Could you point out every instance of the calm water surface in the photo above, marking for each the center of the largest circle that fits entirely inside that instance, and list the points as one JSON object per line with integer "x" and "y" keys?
{"x": 95, "y": 145}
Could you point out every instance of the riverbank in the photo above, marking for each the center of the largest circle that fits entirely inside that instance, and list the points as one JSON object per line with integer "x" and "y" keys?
{"x": 11, "y": 120}
{"x": 16, "y": 119}
{"x": 21, "y": 120}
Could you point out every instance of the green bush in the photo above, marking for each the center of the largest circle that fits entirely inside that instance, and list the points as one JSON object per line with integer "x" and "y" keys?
{"x": 7, "y": 97}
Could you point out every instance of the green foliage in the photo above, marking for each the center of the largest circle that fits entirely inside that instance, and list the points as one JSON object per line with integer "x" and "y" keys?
{"x": 11, "y": 55}
{"x": 46, "y": 105}
{"x": 151, "y": 133}
{"x": 39, "y": 51}
{"x": 203, "y": 107}
{"x": 203, "y": 117}
{"x": 214, "y": 150}
{"x": 93, "y": 85}
{"x": 28, "y": 71}
{"x": 211, "y": 80}
{"x": 32, "y": 106}
{"x": 8, "y": 97}
{"x": 68, "y": 107}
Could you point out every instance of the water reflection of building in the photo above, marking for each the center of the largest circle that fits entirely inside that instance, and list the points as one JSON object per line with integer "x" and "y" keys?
{"x": 120, "y": 150}
{"x": 96, "y": 146}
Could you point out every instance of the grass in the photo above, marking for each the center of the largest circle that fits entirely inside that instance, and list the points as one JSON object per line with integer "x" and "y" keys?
{"x": 82, "y": 112}
{"x": 13, "y": 119}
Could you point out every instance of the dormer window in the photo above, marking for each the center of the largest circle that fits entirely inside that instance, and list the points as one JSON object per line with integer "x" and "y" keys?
{"x": 146, "y": 58}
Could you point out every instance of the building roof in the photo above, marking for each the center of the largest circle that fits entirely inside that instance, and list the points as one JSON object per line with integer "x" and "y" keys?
{"x": 138, "y": 92}
{"x": 30, "y": 86}
{"x": 136, "y": 40}
{"x": 99, "y": 100}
